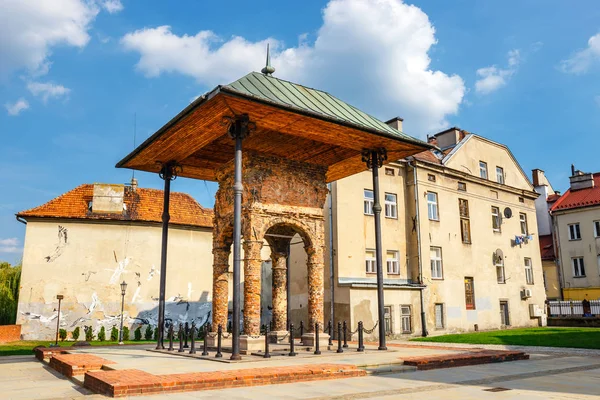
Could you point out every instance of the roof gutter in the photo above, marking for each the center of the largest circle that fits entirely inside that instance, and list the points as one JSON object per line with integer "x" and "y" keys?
{"x": 20, "y": 219}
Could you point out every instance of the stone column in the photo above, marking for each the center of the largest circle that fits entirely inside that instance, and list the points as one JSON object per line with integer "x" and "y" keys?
{"x": 220, "y": 287}
{"x": 315, "y": 266}
{"x": 279, "y": 291}
{"x": 252, "y": 267}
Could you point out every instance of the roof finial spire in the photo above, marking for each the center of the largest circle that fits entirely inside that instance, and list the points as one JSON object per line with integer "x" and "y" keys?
{"x": 268, "y": 69}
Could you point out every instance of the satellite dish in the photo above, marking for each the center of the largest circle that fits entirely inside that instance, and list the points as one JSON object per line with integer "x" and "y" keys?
{"x": 507, "y": 212}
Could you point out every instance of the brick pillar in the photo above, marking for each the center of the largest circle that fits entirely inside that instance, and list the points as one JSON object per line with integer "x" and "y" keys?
{"x": 279, "y": 291}
{"x": 315, "y": 266}
{"x": 220, "y": 287}
{"x": 252, "y": 266}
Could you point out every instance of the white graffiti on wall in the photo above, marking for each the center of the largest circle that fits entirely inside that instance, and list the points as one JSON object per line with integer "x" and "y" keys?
{"x": 120, "y": 269}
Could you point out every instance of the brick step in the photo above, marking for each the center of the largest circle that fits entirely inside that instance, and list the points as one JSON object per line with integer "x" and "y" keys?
{"x": 132, "y": 382}
{"x": 464, "y": 359}
{"x": 77, "y": 364}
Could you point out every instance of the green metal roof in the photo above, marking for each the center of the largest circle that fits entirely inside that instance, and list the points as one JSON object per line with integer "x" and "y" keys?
{"x": 295, "y": 96}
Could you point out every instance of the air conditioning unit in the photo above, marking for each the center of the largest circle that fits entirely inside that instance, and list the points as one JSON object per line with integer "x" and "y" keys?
{"x": 535, "y": 310}
{"x": 526, "y": 293}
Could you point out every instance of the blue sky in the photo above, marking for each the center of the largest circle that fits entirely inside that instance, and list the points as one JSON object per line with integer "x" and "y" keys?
{"x": 73, "y": 74}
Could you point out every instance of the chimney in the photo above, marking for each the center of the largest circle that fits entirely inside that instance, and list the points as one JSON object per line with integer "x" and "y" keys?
{"x": 448, "y": 138}
{"x": 395, "y": 123}
{"x": 134, "y": 184}
{"x": 539, "y": 177}
{"x": 108, "y": 199}
{"x": 581, "y": 180}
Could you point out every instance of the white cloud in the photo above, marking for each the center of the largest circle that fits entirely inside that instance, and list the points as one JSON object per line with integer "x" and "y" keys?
{"x": 47, "y": 90}
{"x": 493, "y": 78}
{"x": 10, "y": 245}
{"x": 373, "y": 54}
{"x": 112, "y": 6}
{"x": 582, "y": 60}
{"x": 16, "y": 108}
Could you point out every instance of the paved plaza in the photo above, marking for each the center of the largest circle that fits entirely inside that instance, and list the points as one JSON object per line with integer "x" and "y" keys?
{"x": 549, "y": 374}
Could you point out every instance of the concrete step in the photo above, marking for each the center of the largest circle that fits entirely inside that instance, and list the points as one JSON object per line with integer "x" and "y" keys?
{"x": 387, "y": 368}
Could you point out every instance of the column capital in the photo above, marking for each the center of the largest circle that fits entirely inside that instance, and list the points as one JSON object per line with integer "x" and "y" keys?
{"x": 169, "y": 170}
{"x": 238, "y": 125}
{"x": 374, "y": 157}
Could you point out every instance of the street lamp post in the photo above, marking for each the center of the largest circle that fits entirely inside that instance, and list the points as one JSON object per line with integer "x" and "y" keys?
{"x": 123, "y": 289}
{"x": 59, "y": 297}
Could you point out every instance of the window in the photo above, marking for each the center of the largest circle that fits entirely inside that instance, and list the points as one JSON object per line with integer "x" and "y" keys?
{"x": 387, "y": 317}
{"x": 528, "y": 271}
{"x": 370, "y": 261}
{"x": 369, "y": 200}
{"x": 436, "y": 263}
{"x": 439, "y": 316}
{"x": 469, "y": 293}
{"x": 483, "y": 170}
{"x": 521, "y": 200}
{"x": 406, "y": 319}
{"x": 574, "y": 232}
{"x": 465, "y": 223}
{"x": 431, "y": 177}
{"x": 496, "y": 219}
{"x": 393, "y": 266}
{"x": 499, "y": 262}
{"x": 500, "y": 175}
{"x": 389, "y": 171}
{"x": 523, "y": 222}
{"x": 578, "y": 268}
{"x": 504, "y": 314}
{"x": 432, "y": 206}
{"x": 596, "y": 228}
{"x": 391, "y": 207}
{"x": 462, "y": 186}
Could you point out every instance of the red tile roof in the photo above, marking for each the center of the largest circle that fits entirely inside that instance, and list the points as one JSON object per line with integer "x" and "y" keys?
{"x": 580, "y": 198}
{"x": 143, "y": 205}
{"x": 552, "y": 198}
{"x": 547, "y": 247}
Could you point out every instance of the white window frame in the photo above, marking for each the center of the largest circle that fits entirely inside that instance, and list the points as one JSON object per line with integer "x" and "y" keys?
{"x": 433, "y": 211}
{"x": 596, "y": 228}
{"x": 500, "y": 175}
{"x": 528, "y": 271}
{"x": 483, "y": 171}
{"x": 393, "y": 263}
{"x": 523, "y": 223}
{"x": 496, "y": 216}
{"x": 500, "y": 272}
{"x": 442, "y": 316}
{"x": 370, "y": 261}
{"x": 435, "y": 260}
{"x": 406, "y": 318}
{"x": 578, "y": 267}
{"x": 574, "y": 231}
{"x": 391, "y": 206}
{"x": 388, "y": 317}
{"x": 368, "y": 202}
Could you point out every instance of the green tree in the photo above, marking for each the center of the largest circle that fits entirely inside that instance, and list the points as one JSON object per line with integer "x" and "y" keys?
{"x": 102, "y": 334}
{"x": 148, "y": 333}
{"x": 114, "y": 334}
{"x": 75, "y": 333}
{"x": 10, "y": 279}
{"x": 137, "y": 334}
{"x": 62, "y": 334}
{"x": 125, "y": 333}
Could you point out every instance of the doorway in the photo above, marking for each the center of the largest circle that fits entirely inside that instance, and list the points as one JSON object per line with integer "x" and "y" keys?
{"x": 504, "y": 314}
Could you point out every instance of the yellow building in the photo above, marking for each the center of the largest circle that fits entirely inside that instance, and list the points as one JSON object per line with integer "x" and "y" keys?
{"x": 576, "y": 222}
{"x": 459, "y": 246}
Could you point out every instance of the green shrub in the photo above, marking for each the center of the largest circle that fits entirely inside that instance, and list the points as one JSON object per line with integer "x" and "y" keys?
{"x": 137, "y": 334}
{"x": 114, "y": 334}
{"x": 125, "y": 333}
{"x": 102, "y": 334}
{"x": 155, "y": 333}
{"x": 75, "y": 333}
{"x": 89, "y": 333}
{"x": 148, "y": 333}
{"x": 62, "y": 334}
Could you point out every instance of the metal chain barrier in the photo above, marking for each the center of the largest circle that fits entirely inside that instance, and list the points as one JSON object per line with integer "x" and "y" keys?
{"x": 369, "y": 331}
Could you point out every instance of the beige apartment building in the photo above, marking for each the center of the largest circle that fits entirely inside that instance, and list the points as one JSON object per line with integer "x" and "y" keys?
{"x": 576, "y": 223}
{"x": 459, "y": 241}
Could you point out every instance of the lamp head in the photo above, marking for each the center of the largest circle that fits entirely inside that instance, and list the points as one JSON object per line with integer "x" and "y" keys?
{"x": 123, "y": 287}
{"x": 59, "y": 297}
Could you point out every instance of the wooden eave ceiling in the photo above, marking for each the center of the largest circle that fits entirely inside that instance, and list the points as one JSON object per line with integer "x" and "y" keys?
{"x": 199, "y": 142}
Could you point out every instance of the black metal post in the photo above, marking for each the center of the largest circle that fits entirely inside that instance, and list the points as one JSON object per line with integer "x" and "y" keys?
{"x": 339, "y": 349}
{"x": 181, "y": 334}
{"x": 122, "y": 310}
{"x": 301, "y": 329}
{"x": 193, "y": 338}
{"x": 170, "y": 337}
{"x": 317, "y": 350}
{"x": 345, "y": 333}
{"x": 292, "y": 352}
{"x": 59, "y": 297}
{"x": 361, "y": 344}
{"x": 374, "y": 160}
{"x": 204, "y": 345}
{"x": 168, "y": 172}
{"x": 330, "y": 331}
{"x": 288, "y": 288}
{"x": 239, "y": 127}
{"x": 186, "y": 332}
{"x": 219, "y": 333}
{"x": 267, "y": 355}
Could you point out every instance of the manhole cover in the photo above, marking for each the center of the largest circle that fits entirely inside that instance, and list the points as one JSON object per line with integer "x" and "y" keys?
{"x": 496, "y": 389}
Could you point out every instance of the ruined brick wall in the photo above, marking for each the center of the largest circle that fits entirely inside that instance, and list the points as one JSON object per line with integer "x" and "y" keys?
{"x": 10, "y": 333}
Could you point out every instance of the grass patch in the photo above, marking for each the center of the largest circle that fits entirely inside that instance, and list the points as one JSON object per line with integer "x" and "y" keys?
{"x": 582, "y": 338}
{"x": 25, "y": 347}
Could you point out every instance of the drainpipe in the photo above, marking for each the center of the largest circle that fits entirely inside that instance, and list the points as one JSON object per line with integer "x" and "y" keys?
{"x": 420, "y": 264}
{"x": 331, "y": 283}
{"x": 21, "y": 220}
{"x": 557, "y": 256}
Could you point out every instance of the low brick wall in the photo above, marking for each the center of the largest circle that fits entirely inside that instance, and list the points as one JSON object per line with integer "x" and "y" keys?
{"x": 464, "y": 359}
{"x": 10, "y": 333}
{"x": 590, "y": 322}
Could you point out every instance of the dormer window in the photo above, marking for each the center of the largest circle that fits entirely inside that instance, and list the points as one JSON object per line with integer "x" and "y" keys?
{"x": 500, "y": 175}
{"x": 483, "y": 170}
